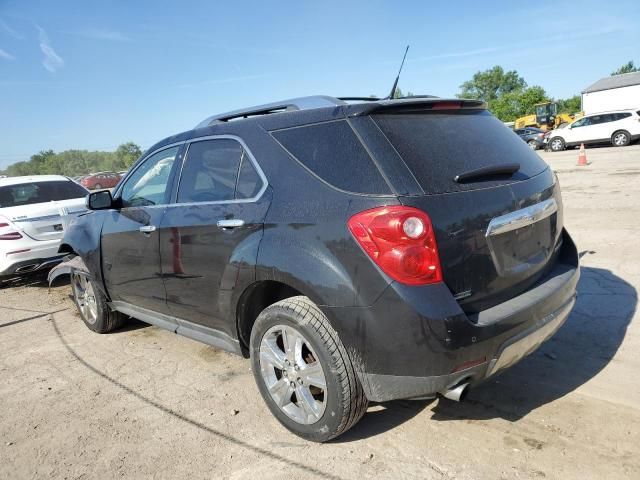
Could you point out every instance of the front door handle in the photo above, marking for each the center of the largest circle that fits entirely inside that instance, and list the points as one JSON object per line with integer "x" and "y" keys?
{"x": 148, "y": 228}
{"x": 231, "y": 223}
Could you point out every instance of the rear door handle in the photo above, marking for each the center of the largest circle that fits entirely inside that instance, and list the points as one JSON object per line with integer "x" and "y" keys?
{"x": 231, "y": 223}
{"x": 148, "y": 228}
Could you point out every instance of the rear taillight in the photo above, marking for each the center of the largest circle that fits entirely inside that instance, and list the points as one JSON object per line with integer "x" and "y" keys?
{"x": 8, "y": 231}
{"x": 401, "y": 241}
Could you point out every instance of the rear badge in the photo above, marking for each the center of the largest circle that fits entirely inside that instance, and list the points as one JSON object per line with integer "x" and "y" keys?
{"x": 461, "y": 295}
{"x": 58, "y": 227}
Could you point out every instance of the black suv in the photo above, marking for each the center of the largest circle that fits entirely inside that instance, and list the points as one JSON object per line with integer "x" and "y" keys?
{"x": 356, "y": 252}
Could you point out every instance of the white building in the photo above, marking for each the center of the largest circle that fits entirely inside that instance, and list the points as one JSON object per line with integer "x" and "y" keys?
{"x": 612, "y": 93}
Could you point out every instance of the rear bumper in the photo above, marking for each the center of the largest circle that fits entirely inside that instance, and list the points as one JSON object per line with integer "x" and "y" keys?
{"x": 28, "y": 256}
{"x": 416, "y": 341}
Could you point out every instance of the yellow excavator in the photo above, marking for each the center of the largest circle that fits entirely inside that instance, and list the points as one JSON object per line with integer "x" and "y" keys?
{"x": 546, "y": 117}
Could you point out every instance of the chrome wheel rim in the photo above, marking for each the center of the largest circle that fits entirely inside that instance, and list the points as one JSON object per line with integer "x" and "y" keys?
{"x": 293, "y": 374}
{"x": 556, "y": 145}
{"x": 85, "y": 298}
{"x": 532, "y": 145}
{"x": 620, "y": 139}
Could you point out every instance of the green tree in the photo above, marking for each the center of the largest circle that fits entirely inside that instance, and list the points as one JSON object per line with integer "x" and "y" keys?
{"x": 511, "y": 105}
{"x": 570, "y": 105}
{"x": 491, "y": 84}
{"x": 628, "y": 67}
{"x": 126, "y": 154}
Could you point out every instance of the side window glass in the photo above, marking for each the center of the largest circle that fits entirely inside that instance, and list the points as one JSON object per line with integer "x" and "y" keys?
{"x": 148, "y": 184}
{"x": 581, "y": 123}
{"x": 249, "y": 182}
{"x": 210, "y": 171}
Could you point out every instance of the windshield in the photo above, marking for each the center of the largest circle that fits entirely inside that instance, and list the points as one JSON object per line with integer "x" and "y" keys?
{"x": 39, "y": 192}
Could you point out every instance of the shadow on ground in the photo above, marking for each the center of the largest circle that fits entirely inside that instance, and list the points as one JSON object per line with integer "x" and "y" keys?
{"x": 36, "y": 280}
{"x": 584, "y": 345}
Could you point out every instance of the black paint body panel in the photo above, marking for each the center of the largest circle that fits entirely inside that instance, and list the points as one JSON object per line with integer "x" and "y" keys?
{"x": 192, "y": 272}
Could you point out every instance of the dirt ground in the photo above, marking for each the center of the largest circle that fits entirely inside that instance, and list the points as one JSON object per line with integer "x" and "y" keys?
{"x": 145, "y": 403}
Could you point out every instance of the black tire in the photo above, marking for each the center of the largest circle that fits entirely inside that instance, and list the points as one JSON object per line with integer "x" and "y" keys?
{"x": 621, "y": 138}
{"x": 533, "y": 145}
{"x": 557, "y": 144}
{"x": 97, "y": 186}
{"x": 100, "y": 319}
{"x": 345, "y": 402}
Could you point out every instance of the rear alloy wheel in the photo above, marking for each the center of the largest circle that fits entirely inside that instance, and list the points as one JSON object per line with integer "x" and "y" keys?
{"x": 621, "y": 138}
{"x": 557, "y": 144}
{"x": 532, "y": 144}
{"x": 92, "y": 305}
{"x": 303, "y": 371}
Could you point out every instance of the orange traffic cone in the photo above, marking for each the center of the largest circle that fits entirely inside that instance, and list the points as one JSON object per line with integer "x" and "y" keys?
{"x": 582, "y": 158}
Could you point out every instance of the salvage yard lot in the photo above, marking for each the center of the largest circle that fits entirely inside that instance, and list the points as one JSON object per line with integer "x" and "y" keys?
{"x": 142, "y": 402}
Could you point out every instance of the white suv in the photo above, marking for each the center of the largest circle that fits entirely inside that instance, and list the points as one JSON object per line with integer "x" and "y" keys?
{"x": 619, "y": 128}
{"x": 34, "y": 211}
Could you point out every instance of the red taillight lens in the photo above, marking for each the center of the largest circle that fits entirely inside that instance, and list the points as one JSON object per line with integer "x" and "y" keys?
{"x": 401, "y": 241}
{"x": 8, "y": 231}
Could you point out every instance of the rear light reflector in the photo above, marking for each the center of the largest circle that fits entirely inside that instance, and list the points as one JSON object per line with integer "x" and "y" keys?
{"x": 401, "y": 241}
{"x": 19, "y": 251}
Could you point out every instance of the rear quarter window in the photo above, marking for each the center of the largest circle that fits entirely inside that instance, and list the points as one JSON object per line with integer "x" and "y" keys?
{"x": 333, "y": 152}
{"x": 438, "y": 146}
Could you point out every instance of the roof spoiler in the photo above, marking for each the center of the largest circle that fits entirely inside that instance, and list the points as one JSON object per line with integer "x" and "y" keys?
{"x": 421, "y": 105}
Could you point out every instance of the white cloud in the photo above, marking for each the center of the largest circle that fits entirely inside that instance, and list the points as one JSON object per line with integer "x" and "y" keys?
{"x": 51, "y": 61}
{"x": 4, "y": 26}
{"x": 103, "y": 34}
{"x": 6, "y": 56}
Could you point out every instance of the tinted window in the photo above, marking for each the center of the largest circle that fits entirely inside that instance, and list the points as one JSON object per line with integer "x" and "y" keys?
{"x": 210, "y": 171}
{"x": 39, "y": 192}
{"x": 439, "y": 146}
{"x": 148, "y": 184}
{"x": 249, "y": 182}
{"x": 333, "y": 152}
{"x": 621, "y": 115}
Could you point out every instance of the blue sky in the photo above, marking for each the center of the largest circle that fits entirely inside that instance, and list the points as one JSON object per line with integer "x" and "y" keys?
{"x": 92, "y": 75}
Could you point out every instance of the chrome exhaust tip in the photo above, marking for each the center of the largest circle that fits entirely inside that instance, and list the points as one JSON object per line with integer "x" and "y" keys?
{"x": 27, "y": 268}
{"x": 456, "y": 394}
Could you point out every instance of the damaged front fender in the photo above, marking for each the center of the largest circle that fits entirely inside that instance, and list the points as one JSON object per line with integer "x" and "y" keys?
{"x": 71, "y": 263}
{"x": 82, "y": 241}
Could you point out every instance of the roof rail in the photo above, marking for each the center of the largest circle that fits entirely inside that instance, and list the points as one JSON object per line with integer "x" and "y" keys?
{"x": 302, "y": 103}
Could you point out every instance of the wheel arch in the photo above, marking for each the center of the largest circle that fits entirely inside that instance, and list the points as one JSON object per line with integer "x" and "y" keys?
{"x": 253, "y": 300}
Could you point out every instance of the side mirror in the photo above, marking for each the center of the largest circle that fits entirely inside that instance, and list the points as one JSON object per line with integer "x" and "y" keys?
{"x": 99, "y": 200}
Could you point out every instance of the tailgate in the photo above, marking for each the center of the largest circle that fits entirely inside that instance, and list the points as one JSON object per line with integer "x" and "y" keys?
{"x": 495, "y": 243}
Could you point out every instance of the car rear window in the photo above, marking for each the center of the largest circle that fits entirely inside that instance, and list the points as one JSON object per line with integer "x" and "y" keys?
{"x": 333, "y": 152}
{"x": 439, "y": 146}
{"x": 39, "y": 192}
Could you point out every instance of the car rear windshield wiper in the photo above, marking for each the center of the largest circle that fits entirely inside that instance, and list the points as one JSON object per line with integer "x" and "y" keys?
{"x": 490, "y": 171}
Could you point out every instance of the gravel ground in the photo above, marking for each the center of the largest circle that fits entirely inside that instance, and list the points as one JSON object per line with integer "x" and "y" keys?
{"x": 145, "y": 403}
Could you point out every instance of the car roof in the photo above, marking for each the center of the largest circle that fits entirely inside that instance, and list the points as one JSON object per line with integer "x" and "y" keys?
{"x": 621, "y": 110}
{"x": 32, "y": 178}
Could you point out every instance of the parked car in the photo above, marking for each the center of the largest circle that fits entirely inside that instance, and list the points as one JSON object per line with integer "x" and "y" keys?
{"x": 532, "y": 136}
{"x": 354, "y": 252}
{"x": 98, "y": 181}
{"x": 619, "y": 128}
{"x": 33, "y": 214}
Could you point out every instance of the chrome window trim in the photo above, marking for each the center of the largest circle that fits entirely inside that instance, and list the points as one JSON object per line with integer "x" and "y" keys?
{"x": 522, "y": 218}
{"x": 118, "y": 191}
{"x": 249, "y": 154}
